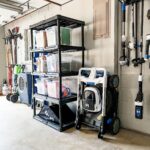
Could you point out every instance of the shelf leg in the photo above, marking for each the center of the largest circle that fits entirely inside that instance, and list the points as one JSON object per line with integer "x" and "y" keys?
{"x": 34, "y": 107}
{"x": 60, "y": 118}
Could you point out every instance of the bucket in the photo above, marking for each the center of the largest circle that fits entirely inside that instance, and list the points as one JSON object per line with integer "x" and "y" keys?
{"x": 5, "y": 90}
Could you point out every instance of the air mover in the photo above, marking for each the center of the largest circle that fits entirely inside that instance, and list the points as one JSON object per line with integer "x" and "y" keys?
{"x": 97, "y": 100}
{"x": 25, "y": 88}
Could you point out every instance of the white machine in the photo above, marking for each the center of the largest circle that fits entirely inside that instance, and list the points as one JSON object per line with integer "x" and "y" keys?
{"x": 97, "y": 100}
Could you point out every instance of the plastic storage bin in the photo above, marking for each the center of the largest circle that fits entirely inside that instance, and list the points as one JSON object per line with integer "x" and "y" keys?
{"x": 53, "y": 89}
{"x": 40, "y": 39}
{"x": 41, "y": 64}
{"x": 51, "y": 34}
{"x": 53, "y": 63}
{"x": 41, "y": 85}
{"x": 70, "y": 82}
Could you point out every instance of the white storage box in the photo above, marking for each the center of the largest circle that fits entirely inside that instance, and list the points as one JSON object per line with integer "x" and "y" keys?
{"x": 53, "y": 89}
{"x": 51, "y": 34}
{"x": 41, "y": 64}
{"x": 40, "y": 39}
{"x": 52, "y": 63}
{"x": 41, "y": 85}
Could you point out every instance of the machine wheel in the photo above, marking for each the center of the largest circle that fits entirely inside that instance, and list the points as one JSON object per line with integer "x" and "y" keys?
{"x": 14, "y": 98}
{"x": 114, "y": 81}
{"x": 115, "y": 126}
{"x": 78, "y": 125}
{"x": 100, "y": 136}
{"x": 8, "y": 96}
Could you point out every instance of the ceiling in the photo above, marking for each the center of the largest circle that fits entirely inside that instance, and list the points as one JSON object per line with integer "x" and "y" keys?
{"x": 7, "y": 14}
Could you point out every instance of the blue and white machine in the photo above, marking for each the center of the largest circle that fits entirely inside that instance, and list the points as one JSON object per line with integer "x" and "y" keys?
{"x": 97, "y": 100}
{"x": 25, "y": 88}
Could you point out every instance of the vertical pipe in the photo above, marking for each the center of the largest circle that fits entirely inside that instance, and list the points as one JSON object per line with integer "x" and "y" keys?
{"x": 136, "y": 31}
{"x": 83, "y": 48}
{"x": 133, "y": 34}
{"x": 142, "y": 23}
{"x": 123, "y": 7}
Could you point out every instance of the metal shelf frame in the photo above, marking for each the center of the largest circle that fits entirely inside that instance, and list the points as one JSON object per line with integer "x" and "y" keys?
{"x": 59, "y": 21}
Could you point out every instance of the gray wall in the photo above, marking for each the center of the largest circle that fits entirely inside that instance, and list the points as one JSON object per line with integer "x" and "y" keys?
{"x": 2, "y": 57}
{"x": 100, "y": 53}
{"x": 129, "y": 88}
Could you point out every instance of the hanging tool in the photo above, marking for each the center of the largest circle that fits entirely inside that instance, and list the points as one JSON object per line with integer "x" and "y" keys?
{"x": 123, "y": 59}
{"x": 9, "y": 60}
{"x": 147, "y": 56}
{"x": 147, "y": 47}
{"x": 131, "y": 44}
{"x": 148, "y": 14}
{"x": 9, "y": 68}
{"x": 139, "y": 97}
{"x": 135, "y": 61}
{"x": 11, "y": 35}
{"x": 15, "y": 36}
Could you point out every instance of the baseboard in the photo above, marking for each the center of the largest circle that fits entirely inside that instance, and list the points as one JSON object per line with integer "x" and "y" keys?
{"x": 140, "y": 132}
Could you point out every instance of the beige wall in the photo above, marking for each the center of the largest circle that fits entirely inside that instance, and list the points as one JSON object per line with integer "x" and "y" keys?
{"x": 78, "y": 9}
{"x": 100, "y": 53}
{"x": 2, "y": 57}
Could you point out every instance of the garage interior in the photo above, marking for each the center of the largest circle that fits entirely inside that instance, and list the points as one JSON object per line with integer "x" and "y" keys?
{"x": 74, "y": 74}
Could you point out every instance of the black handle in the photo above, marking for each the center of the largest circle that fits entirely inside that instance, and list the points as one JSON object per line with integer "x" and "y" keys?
{"x": 123, "y": 8}
{"x": 147, "y": 47}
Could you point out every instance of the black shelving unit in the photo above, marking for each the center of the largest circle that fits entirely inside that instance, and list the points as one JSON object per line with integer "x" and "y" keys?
{"x": 59, "y": 21}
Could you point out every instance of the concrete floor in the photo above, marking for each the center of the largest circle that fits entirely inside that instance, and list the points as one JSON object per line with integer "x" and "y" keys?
{"x": 19, "y": 131}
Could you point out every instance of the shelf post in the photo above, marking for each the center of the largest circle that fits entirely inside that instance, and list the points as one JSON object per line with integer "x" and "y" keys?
{"x": 60, "y": 74}
{"x": 32, "y": 57}
{"x": 34, "y": 107}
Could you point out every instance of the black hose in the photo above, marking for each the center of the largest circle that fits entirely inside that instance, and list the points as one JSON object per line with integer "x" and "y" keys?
{"x": 123, "y": 8}
{"x": 136, "y": 31}
{"x": 133, "y": 21}
{"x": 136, "y": 60}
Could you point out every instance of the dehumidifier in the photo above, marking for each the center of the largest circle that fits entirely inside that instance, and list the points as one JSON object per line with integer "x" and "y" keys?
{"x": 97, "y": 100}
{"x": 25, "y": 88}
